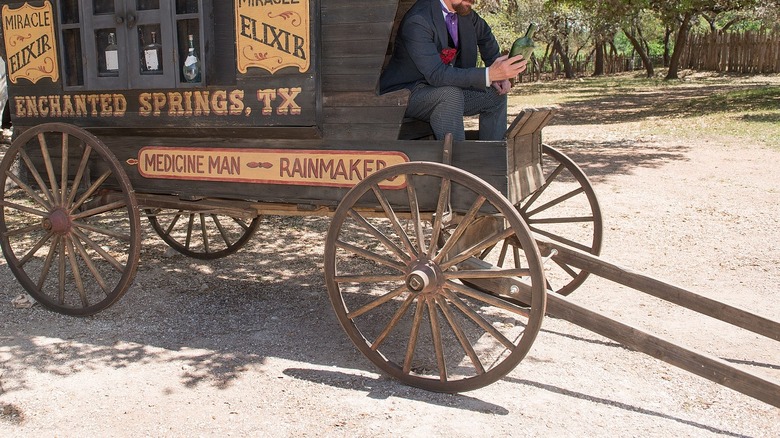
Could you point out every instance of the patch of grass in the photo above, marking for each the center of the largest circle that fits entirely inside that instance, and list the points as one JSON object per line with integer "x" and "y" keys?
{"x": 742, "y": 108}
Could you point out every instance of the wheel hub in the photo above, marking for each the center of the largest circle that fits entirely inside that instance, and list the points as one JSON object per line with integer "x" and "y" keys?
{"x": 57, "y": 222}
{"x": 424, "y": 277}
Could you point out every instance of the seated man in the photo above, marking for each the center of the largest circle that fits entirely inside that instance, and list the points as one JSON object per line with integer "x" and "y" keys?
{"x": 435, "y": 57}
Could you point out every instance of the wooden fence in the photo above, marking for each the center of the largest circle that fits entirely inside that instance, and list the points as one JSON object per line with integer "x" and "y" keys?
{"x": 737, "y": 52}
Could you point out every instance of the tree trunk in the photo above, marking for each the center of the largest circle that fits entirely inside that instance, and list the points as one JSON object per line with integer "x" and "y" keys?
{"x": 667, "y": 34}
{"x": 567, "y": 68}
{"x": 679, "y": 46}
{"x": 639, "y": 48}
{"x": 598, "y": 65}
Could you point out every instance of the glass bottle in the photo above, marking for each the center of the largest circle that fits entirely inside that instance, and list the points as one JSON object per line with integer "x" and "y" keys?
{"x": 112, "y": 54}
{"x": 191, "y": 68}
{"x": 525, "y": 44}
{"x": 153, "y": 55}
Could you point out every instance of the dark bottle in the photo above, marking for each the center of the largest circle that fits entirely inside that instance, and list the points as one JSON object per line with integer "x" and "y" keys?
{"x": 525, "y": 44}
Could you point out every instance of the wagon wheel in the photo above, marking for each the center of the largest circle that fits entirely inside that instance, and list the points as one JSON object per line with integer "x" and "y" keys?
{"x": 202, "y": 235}
{"x": 69, "y": 223}
{"x": 565, "y": 210}
{"x": 395, "y": 278}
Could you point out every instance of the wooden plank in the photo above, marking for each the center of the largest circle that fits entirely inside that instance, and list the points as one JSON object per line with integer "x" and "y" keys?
{"x": 396, "y": 98}
{"x": 363, "y": 115}
{"x": 357, "y": 82}
{"x": 361, "y": 45}
{"x": 354, "y": 31}
{"x": 703, "y": 365}
{"x": 344, "y": 12}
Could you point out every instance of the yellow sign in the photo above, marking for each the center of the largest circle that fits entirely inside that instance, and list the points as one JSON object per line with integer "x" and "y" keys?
{"x": 273, "y": 34}
{"x": 30, "y": 43}
{"x": 267, "y": 166}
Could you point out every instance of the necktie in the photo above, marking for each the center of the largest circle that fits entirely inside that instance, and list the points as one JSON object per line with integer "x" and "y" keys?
{"x": 452, "y": 26}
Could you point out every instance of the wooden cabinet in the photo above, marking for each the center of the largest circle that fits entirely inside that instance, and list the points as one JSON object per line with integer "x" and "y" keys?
{"x": 111, "y": 44}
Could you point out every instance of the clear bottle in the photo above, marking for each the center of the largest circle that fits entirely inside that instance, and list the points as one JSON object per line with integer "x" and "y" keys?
{"x": 153, "y": 55}
{"x": 191, "y": 67}
{"x": 525, "y": 44}
{"x": 112, "y": 54}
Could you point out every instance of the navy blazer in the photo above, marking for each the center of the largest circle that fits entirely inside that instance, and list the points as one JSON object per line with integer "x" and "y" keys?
{"x": 421, "y": 37}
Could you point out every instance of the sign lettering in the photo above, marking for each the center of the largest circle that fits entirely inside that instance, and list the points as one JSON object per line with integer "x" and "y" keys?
{"x": 30, "y": 43}
{"x": 267, "y": 166}
{"x": 273, "y": 34}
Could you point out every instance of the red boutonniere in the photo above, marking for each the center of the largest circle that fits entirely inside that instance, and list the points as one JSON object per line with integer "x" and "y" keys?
{"x": 448, "y": 55}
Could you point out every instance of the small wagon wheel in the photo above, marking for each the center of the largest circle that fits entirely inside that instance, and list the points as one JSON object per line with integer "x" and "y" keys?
{"x": 69, "y": 222}
{"x": 565, "y": 209}
{"x": 202, "y": 235}
{"x": 399, "y": 280}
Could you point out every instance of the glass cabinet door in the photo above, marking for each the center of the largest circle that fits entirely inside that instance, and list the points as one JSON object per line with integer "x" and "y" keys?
{"x": 150, "y": 43}
{"x": 126, "y": 43}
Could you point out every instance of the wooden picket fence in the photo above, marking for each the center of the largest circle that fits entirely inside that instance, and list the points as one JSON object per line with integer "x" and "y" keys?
{"x": 736, "y": 52}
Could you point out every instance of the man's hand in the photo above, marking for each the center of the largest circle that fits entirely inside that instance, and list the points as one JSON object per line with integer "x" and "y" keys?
{"x": 502, "y": 86}
{"x": 506, "y": 68}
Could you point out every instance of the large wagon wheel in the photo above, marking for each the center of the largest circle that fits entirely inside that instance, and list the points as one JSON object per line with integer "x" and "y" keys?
{"x": 202, "y": 235}
{"x": 396, "y": 279}
{"x": 565, "y": 210}
{"x": 69, "y": 223}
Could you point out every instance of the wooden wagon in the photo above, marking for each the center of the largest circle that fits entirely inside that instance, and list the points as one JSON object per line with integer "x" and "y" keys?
{"x": 203, "y": 116}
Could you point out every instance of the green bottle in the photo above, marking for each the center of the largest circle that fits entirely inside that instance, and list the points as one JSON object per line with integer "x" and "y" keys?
{"x": 525, "y": 44}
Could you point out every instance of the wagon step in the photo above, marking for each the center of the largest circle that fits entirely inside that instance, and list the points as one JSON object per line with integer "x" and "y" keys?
{"x": 704, "y": 365}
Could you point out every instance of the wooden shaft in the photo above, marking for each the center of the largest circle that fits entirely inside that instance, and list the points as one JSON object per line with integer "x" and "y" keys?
{"x": 707, "y": 366}
{"x": 673, "y": 294}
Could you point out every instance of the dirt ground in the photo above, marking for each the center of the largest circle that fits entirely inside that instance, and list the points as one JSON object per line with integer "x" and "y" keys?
{"x": 249, "y": 345}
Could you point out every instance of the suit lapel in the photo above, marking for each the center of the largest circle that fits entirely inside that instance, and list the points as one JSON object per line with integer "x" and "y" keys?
{"x": 439, "y": 27}
{"x": 468, "y": 41}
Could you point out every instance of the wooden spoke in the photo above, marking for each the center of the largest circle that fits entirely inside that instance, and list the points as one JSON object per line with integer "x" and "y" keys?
{"x": 241, "y": 223}
{"x": 556, "y": 201}
{"x": 47, "y": 263}
{"x": 90, "y": 191}
{"x": 21, "y": 231}
{"x": 477, "y": 248}
{"x": 399, "y": 229}
{"x": 190, "y": 225}
{"x": 371, "y": 256}
{"x": 379, "y": 235}
{"x": 436, "y": 334}
{"x": 204, "y": 233}
{"x": 367, "y": 278}
{"x": 221, "y": 229}
{"x": 414, "y": 208}
{"x": 36, "y": 176}
{"x": 479, "y": 320}
{"x": 393, "y": 322}
{"x": 415, "y": 332}
{"x": 90, "y": 265}
{"x": 74, "y": 270}
{"x": 79, "y": 174}
{"x": 538, "y": 193}
{"x": 460, "y": 334}
{"x": 23, "y": 208}
{"x": 97, "y": 248}
{"x": 64, "y": 169}
{"x": 467, "y": 220}
{"x": 176, "y": 218}
{"x": 486, "y": 298}
{"x": 98, "y": 210}
{"x": 376, "y": 303}
{"x": 30, "y": 192}
{"x": 561, "y": 239}
{"x": 42, "y": 241}
{"x": 49, "y": 167}
{"x": 95, "y": 229}
{"x": 438, "y": 223}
